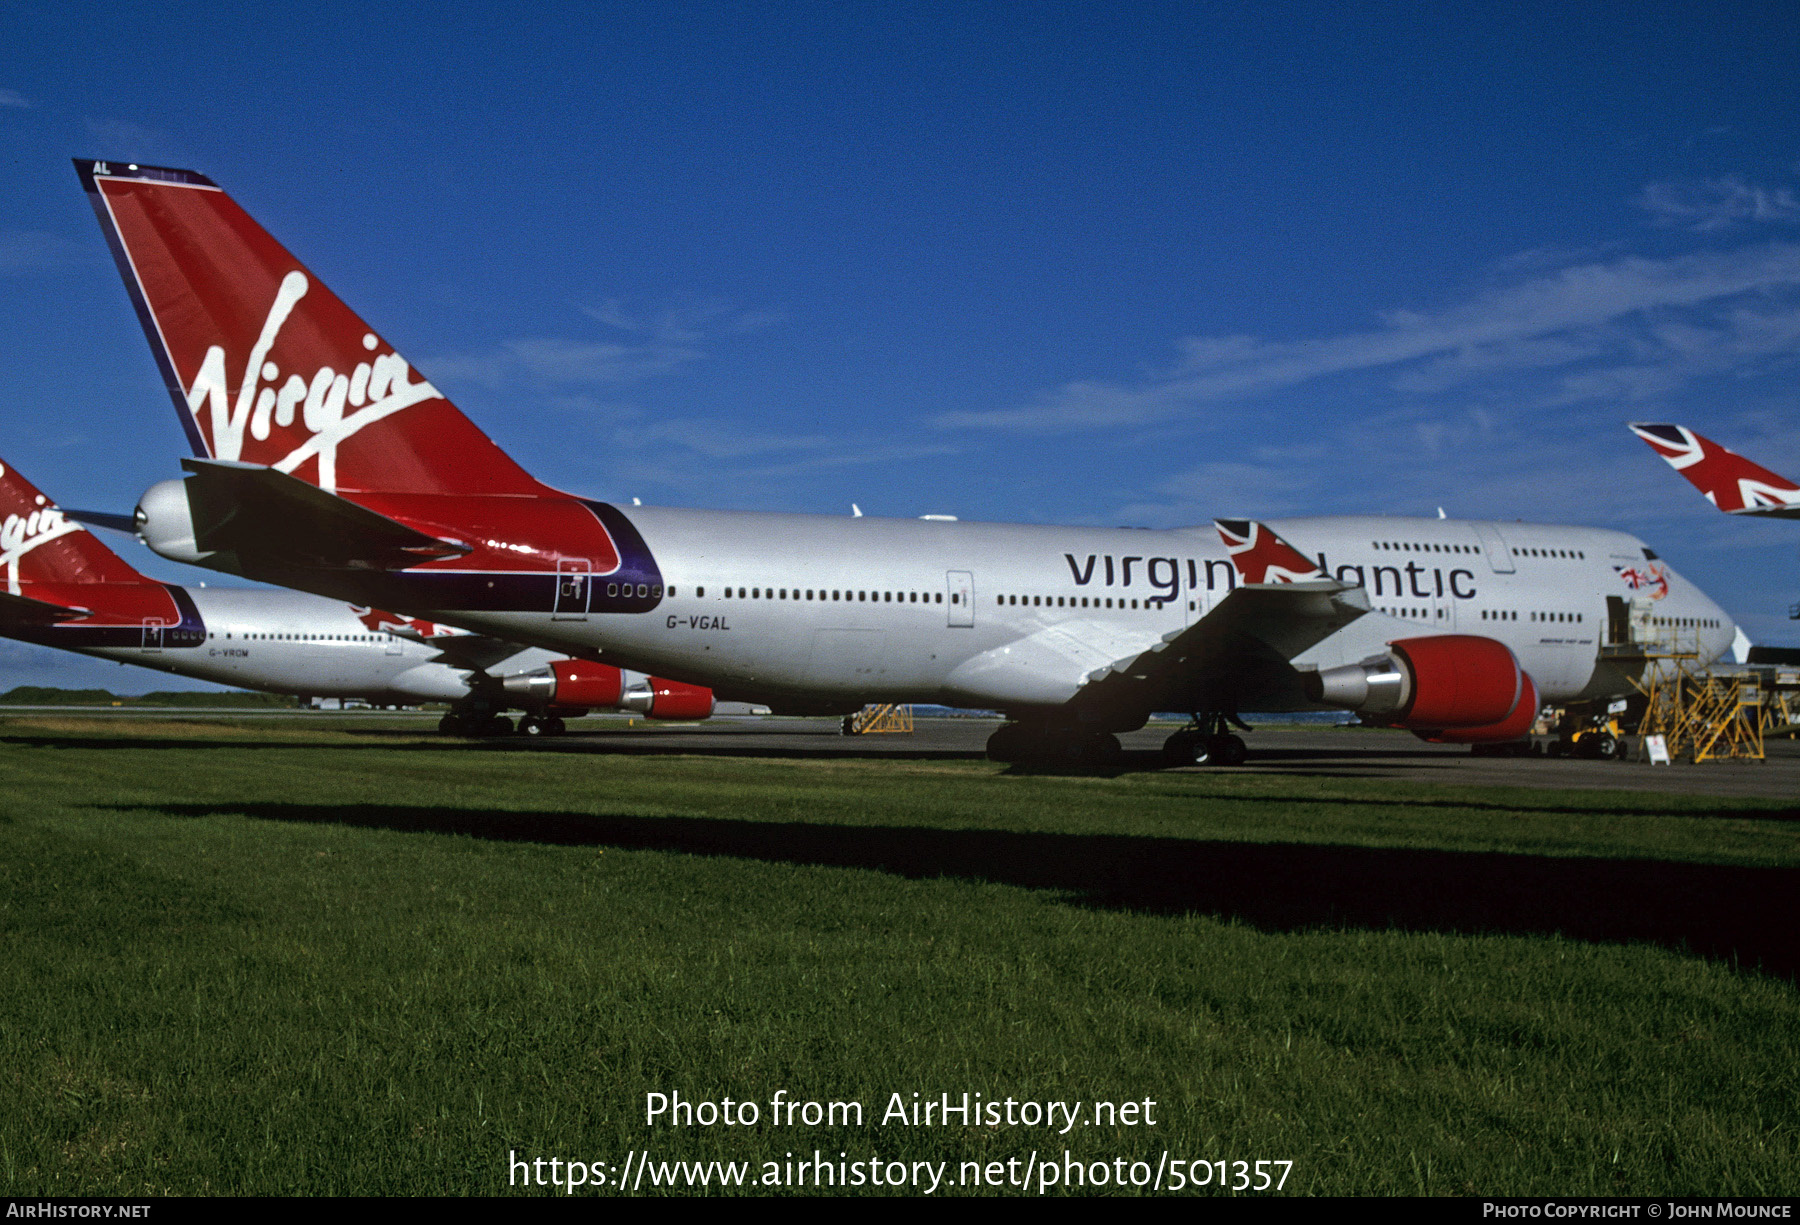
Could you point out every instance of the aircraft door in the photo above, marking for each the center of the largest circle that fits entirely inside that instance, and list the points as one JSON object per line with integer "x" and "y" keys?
{"x": 396, "y": 645}
{"x": 1499, "y": 554}
{"x": 961, "y": 609}
{"x": 573, "y": 579}
{"x": 153, "y": 634}
{"x": 1618, "y": 621}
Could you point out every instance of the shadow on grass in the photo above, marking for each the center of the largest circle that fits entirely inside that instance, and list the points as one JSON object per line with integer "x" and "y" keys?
{"x": 1737, "y": 914}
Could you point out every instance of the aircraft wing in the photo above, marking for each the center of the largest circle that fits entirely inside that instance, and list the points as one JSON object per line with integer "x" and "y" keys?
{"x": 249, "y": 508}
{"x": 1730, "y": 482}
{"x": 1241, "y": 647}
{"x": 476, "y": 652}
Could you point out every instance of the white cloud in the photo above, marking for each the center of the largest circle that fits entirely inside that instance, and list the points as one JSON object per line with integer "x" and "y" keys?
{"x": 1596, "y": 311}
{"x": 718, "y": 439}
{"x": 652, "y": 343}
{"x": 1715, "y": 204}
{"x": 12, "y": 97}
{"x": 29, "y": 250}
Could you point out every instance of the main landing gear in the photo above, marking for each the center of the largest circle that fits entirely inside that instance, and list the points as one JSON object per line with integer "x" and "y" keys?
{"x": 479, "y": 722}
{"x": 1206, "y": 742}
{"x": 1036, "y": 744}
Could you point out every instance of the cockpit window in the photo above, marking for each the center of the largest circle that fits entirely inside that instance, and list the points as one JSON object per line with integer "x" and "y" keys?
{"x": 1650, "y": 555}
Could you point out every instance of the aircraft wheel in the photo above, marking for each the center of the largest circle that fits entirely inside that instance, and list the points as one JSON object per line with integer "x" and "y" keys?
{"x": 1102, "y": 752}
{"x": 554, "y": 726}
{"x": 499, "y": 725}
{"x": 531, "y": 725}
{"x": 1008, "y": 744}
{"x": 450, "y": 725}
{"x": 1229, "y": 750}
{"x": 1188, "y": 748}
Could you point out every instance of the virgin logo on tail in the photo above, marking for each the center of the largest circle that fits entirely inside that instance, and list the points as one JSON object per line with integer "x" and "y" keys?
{"x": 330, "y": 406}
{"x": 1729, "y": 481}
{"x": 20, "y": 534}
{"x": 264, "y": 363}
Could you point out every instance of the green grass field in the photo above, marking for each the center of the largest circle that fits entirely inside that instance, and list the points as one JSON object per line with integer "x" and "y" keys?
{"x": 273, "y": 959}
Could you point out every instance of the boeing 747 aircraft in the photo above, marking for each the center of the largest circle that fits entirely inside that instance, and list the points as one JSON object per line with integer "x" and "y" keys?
{"x": 65, "y": 589}
{"x": 325, "y": 462}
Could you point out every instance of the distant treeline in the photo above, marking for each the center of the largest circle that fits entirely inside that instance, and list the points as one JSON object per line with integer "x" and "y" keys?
{"x": 43, "y": 695}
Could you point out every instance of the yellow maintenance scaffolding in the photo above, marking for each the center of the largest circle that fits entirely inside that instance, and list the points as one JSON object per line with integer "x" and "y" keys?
{"x": 872, "y": 719}
{"x": 1702, "y": 714}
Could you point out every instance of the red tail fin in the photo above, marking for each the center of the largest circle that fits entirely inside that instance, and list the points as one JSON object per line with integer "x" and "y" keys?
{"x": 1729, "y": 481}
{"x": 39, "y": 546}
{"x": 268, "y": 366}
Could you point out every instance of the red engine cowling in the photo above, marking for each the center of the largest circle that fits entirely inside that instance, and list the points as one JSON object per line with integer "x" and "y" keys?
{"x": 1514, "y": 727}
{"x": 1459, "y": 680}
{"x": 580, "y": 682}
{"x": 1442, "y": 681}
{"x": 674, "y": 700}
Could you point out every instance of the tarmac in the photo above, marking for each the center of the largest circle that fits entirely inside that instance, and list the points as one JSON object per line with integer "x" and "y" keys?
{"x": 1318, "y": 752}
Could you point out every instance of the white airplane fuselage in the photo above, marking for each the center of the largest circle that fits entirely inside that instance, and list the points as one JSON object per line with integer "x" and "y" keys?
{"x": 281, "y": 642}
{"x": 1017, "y": 616}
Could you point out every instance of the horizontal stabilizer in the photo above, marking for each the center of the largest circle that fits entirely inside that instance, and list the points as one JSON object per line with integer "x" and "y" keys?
{"x": 23, "y": 610}
{"x": 101, "y": 518}
{"x": 250, "y": 509}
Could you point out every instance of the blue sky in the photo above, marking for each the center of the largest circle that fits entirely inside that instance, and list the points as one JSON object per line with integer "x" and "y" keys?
{"x": 1141, "y": 264}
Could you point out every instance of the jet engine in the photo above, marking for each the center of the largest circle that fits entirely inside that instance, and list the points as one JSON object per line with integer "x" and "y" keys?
{"x": 165, "y": 522}
{"x": 657, "y": 698}
{"x": 568, "y": 682}
{"x": 1515, "y": 726}
{"x": 579, "y": 682}
{"x": 1445, "y": 683}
